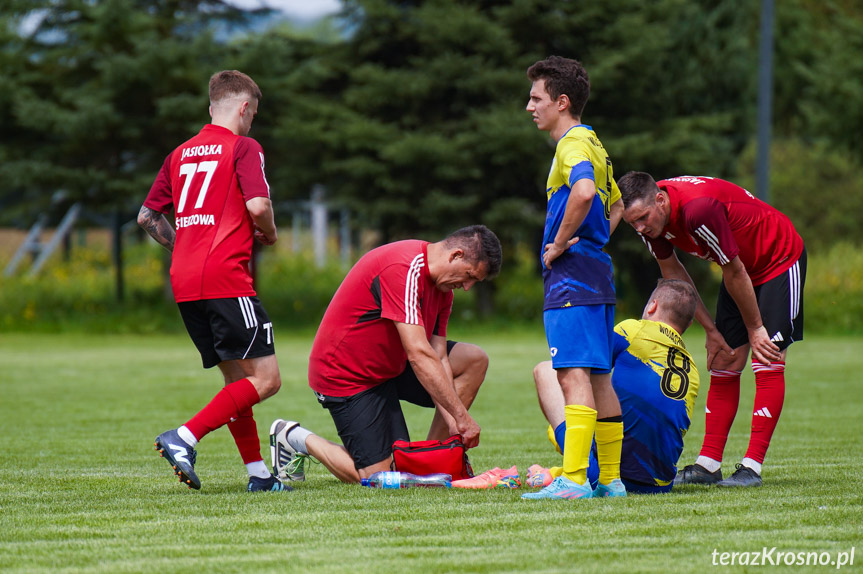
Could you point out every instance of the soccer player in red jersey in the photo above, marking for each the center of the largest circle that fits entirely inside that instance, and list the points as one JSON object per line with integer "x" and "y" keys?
{"x": 760, "y": 306}
{"x": 216, "y": 186}
{"x": 382, "y": 340}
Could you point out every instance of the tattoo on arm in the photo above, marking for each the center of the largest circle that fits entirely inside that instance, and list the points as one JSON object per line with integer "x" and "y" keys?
{"x": 155, "y": 224}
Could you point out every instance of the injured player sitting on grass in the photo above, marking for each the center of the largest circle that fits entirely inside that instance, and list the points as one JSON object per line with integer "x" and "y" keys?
{"x": 656, "y": 382}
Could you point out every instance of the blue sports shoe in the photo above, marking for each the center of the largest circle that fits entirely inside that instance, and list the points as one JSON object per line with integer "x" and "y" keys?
{"x": 563, "y": 488}
{"x": 271, "y": 484}
{"x": 180, "y": 456}
{"x": 613, "y": 488}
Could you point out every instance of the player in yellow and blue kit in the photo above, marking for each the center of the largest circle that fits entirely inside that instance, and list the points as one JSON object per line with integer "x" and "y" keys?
{"x": 656, "y": 382}
{"x": 584, "y": 207}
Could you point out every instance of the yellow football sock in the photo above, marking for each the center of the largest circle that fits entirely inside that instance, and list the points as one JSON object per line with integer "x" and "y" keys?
{"x": 609, "y": 440}
{"x": 580, "y": 423}
{"x": 553, "y": 439}
{"x": 555, "y": 471}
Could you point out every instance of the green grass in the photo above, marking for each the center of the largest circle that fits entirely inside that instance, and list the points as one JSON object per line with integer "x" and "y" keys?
{"x": 81, "y": 489}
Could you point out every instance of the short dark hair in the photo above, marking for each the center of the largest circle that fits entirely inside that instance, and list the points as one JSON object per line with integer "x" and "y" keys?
{"x": 480, "y": 245}
{"x": 637, "y": 186}
{"x": 678, "y": 300}
{"x": 563, "y": 76}
{"x": 232, "y": 83}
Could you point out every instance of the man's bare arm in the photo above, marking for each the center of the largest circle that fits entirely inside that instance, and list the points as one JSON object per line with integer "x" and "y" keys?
{"x": 615, "y": 213}
{"x": 432, "y": 374}
{"x": 577, "y": 207}
{"x": 155, "y": 224}
{"x": 261, "y": 211}
{"x": 740, "y": 288}
{"x": 672, "y": 268}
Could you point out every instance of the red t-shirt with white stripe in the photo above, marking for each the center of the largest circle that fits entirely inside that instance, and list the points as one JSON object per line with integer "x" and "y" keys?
{"x": 357, "y": 345}
{"x": 716, "y": 220}
{"x": 207, "y": 182}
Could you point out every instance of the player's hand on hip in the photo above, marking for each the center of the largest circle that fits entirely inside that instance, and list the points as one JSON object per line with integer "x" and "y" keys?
{"x": 763, "y": 349}
{"x": 552, "y": 251}
{"x": 715, "y": 345}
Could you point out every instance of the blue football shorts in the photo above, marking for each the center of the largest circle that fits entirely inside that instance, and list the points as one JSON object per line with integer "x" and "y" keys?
{"x": 580, "y": 336}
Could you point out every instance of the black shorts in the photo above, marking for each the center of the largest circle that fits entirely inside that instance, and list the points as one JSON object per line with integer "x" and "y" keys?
{"x": 780, "y": 301}
{"x": 228, "y": 329}
{"x": 370, "y": 422}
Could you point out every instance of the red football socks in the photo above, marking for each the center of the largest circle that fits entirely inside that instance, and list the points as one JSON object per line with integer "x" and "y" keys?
{"x": 238, "y": 397}
{"x": 723, "y": 397}
{"x": 769, "y": 396}
{"x": 245, "y": 433}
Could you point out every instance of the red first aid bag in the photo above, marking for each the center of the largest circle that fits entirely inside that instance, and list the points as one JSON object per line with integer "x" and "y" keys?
{"x": 433, "y": 456}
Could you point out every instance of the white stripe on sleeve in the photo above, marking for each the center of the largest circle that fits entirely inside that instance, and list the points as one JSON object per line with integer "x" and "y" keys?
{"x": 412, "y": 290}
{"x": 264, "y": 175}
{"x": 713, "y": 242}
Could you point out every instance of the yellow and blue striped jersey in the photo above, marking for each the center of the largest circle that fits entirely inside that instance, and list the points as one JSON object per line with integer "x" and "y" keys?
{"x": 656, "y": 382}
{"x": 583, "y": 275}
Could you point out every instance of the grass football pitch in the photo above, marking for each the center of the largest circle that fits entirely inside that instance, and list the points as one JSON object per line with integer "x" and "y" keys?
{"x": 82, "y": 490}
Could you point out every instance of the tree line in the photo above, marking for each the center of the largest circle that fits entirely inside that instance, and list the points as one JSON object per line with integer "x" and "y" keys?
{"x": 411, "y": 112}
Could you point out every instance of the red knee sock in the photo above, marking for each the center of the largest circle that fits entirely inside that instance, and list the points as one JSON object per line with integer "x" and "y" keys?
{"x": 769, "y": 396}
{"x": 723, "y": 396}
{"x": 228, "y": 403}
{"x": 245, "y": 433}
